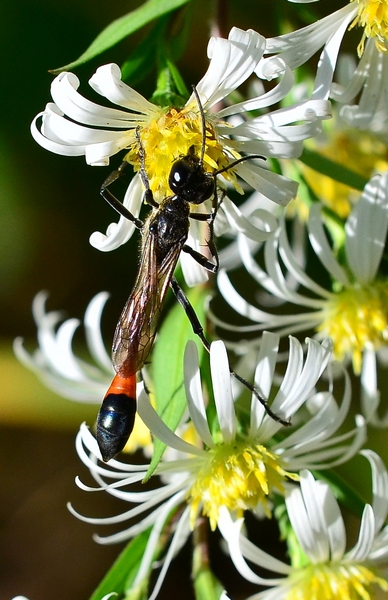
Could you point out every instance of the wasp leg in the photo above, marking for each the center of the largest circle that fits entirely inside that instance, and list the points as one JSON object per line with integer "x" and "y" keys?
{"x": 201, "y": 216}
{"x": 113, "y": 201}
{"x": 210, "y": 242}
{"x": 201, "y": 259}
{"x": 198, "y": 330}
{"x": 190, "y": 312}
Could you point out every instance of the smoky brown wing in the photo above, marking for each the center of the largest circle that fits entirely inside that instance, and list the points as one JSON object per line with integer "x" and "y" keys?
{"x": 136, "y": 329}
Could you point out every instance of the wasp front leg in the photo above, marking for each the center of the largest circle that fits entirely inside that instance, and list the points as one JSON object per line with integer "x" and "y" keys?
{"x": 113, "y": 201}
{"x": 213, "y": 267}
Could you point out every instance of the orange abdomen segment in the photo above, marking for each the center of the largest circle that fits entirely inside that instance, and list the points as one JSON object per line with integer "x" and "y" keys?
{"x": 116, "y": 416}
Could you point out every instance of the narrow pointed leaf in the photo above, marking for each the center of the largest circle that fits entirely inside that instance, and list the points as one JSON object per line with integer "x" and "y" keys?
{"x": 124, "y": 569}
{"x": 121, "y": 28}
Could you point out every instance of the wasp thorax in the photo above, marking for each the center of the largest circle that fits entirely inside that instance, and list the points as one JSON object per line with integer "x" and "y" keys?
{"x": 189, "y": 180}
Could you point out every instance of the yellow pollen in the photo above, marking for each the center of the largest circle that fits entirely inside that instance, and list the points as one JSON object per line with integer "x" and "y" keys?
{"x": 169, "y": 137}
{"x": 357, "y": 150}
{"x": 139, "y": 438}
{"x": 357, "y": 318}
{"x": 333, "y": 582}
{"x": 238, "y": 476}
{"x": 373, "y": 17}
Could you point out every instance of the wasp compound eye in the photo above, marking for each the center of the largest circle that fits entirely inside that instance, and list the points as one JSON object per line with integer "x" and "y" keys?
{"x": 189, "y": 180}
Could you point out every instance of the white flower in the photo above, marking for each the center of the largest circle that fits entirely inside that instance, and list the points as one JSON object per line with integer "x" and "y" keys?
{"x": 55, "y": 363}
{"x": 355, "y": 313}
{"x": 368, "y": 83}
{"x": 235, "y": 463}
{"x": 322, "y": 568}
{"x": 73, "y": 125}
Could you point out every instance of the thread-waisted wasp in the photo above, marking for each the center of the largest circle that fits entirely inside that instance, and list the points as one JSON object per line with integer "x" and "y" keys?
{"x": 164, "y": 235}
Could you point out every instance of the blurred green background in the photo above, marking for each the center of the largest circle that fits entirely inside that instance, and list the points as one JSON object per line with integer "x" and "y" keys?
{"x": 49, "y": 205}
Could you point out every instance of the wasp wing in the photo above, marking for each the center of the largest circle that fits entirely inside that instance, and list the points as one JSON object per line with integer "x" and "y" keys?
{"x": 136, "y": 329}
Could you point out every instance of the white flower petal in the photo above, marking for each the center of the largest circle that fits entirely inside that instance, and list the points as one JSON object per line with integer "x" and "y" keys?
{"x": 264, "y": 319}
{"x": 92, "y": 323}
{"x": 119, "y": 233}
{"x": 328, "y": 59}
{"x": 380, "y": 488}
{"x": 322, "y": 248}
{"x": 158, "y": 525}
{"x": 239, "y": 546}
{"x": 296, "y": 269}
{"x": 71, "y": 103}
{"x": 247, "y": 226}
{"x": 274, "y": 186}
{"x": 366, "y": 229}
{"x": 273, "y": 96}
{"x": 183, "y": 528}
{"x": 263, "y": 379}
{"x": 155, "y": 424}
{"x": 316, "y": 361}
{"x": 370, "y": 394}
{"x": 52, "y": 142}
{"x": 297, "y": 513}
{"x": 56, "y": 127}
{"x": 316, "y": 495}
{"x": 107, "y": 82}
{"x": 193, "y": 272}
{"x": 194, "y": 394}
{"x": 219, "y": 366}
{"x": 346, "y": 91}
{"x": 335, "y": 526}
{"x": 365, "y": 538}
{"x": 298, "y": 46}
{"x": 88, "y": 451}
{"x": 232, "y": 61}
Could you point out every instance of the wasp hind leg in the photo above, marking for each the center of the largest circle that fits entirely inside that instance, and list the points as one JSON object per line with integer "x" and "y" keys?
{"x": 198, "y": 330}
{"x": 201, "y": 259}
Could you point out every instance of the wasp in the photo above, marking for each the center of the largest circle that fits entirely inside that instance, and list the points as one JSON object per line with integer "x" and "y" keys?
{"x": 163, "y": 237}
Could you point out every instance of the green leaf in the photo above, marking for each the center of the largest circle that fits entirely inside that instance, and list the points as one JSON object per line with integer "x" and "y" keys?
{"x": 165, "y": 93}
{"x": 123, "y": 27}
{"x": 324, "y": 165}
{"x": 124, "y": 569}
{"x": 206, "y": 585}
{"x": 164, "y": 43}
{"x": 140, "y": 62}
{"x": 167, "y": 366}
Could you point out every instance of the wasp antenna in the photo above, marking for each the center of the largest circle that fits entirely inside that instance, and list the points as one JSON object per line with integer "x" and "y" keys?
{"x": 238, "y": 161}
{"x": 143, "y": 172}
{"x": 203, "y": 121}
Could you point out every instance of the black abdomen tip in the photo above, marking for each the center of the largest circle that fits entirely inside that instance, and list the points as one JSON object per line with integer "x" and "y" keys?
{"x": 115, "y": 422}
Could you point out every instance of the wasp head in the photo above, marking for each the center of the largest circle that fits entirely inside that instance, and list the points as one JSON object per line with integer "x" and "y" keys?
{"x": 189, "y": 180}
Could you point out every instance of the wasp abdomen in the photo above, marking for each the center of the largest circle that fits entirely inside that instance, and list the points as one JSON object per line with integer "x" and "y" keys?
{"x": 116, "y": 417}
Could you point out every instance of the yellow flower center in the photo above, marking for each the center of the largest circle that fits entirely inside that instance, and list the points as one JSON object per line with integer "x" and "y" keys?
{"x": 333, "y": 582}
{"x": 357, "y": 318}
{"x": 238, "y": 476}
{"x": 169, "y": 137}
{"x": 357, "y": 150}
{"x": 140, "y": 437}
{"x": 373, "y": 17}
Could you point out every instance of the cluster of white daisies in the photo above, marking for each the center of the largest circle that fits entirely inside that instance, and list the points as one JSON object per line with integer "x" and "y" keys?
{"x": 228, "y": 456}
